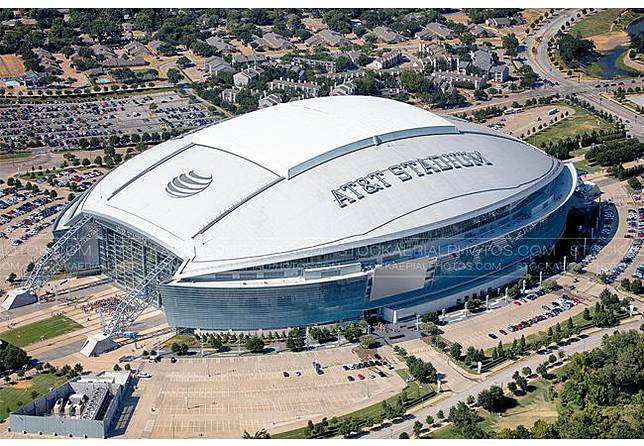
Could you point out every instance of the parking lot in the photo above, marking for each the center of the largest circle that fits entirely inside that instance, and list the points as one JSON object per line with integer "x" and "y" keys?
{"x": 616, "y": 250}
{"x": 533, "y": 314}
{"x": 222, "y": 397}
{"x": 64, "y": 124}
{"x": 26, "y": 217}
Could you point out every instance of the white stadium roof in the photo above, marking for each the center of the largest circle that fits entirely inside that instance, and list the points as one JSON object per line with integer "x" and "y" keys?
{"x": 296, "y": 136}
{"x": 258, "y": 188}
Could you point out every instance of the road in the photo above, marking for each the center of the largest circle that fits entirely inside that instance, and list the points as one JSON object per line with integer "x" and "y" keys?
{"x": 536, "y": 51}
{"x": 501, "y": 377}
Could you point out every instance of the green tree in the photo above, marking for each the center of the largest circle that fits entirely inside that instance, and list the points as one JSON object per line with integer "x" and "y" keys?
{"x": 510, "y": 44}
{"x": 455, "y": 350}
{"x": 254, "y": 344}
{"x": 174, "y": 76}
{"x": 295, "y": 340}
{"x": 492, "y": 399}
{"x": 417, "y": 428}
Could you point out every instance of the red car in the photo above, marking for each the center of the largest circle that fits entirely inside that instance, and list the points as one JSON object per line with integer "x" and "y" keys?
{"x": 360, "y": 376}
{"x": 517, "y": 303}
{"x": 503, "y": 332}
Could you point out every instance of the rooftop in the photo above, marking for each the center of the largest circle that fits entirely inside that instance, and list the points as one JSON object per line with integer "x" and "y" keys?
{"x": 277, "y": 136}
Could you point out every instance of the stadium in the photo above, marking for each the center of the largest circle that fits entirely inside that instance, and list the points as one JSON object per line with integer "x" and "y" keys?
{"x": 323, "y": 210}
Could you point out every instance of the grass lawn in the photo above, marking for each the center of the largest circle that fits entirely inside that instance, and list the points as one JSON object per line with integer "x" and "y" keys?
{"x": 594, "y": 70}
{"x": 11, "y": 396}
{"x": 45, "y": 329}
{"x": 620, "y": 65}
{"x": 537, "y": 404}
{"x": 448, "y": 432}
{"x": 189, "y": 340}
{"x": 8, "y": 156}
{"x": 581, "y": 121}
{"x": 584, "y": 165}
{"x": 595, "y": 24}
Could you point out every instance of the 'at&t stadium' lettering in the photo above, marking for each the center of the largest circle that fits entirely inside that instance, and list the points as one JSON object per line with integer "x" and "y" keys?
{"x": 373, "y": 182}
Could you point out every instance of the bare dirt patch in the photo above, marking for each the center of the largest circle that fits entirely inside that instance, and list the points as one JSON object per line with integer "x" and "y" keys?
{"x": 26, "y": 384}
{"x": 609, "y": 41}
{"x": 11, "y": 65}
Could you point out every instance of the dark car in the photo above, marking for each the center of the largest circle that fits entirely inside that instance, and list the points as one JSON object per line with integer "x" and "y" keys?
{"x": 492, "y": 335}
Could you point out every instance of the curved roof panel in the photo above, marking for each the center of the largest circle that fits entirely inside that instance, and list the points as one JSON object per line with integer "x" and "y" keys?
{"x": 293, "y": 137}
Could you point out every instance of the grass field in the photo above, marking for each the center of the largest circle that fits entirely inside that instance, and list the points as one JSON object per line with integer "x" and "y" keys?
{"x": 595, "y": 24}
{"x": 620, "y": 65}
{"x": 11, "y": 65}
{"x": 584, "y": 165}
{"x": 45, "y": 329}
{"x": 537, "y": 404}
{"x": 12, "y": 397}
{"x": 579, "y": 122}
{"x": 8, "y": 156}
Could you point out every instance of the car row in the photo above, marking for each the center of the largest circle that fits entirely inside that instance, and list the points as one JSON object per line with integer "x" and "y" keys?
{"x": 551, "y": 310}
{"x": 633, "y": 250}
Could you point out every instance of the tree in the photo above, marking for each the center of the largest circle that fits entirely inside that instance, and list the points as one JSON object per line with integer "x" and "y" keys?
{"x": 183, "y": 61}
{"x": 474, "y": 304}
{"x": 636, "y": 286}
{"x": 528, "y": 76}
{"x": 634, "y": 183}
{"x": 573, "y": 49}
{"x": 352, "y": 332}
{"x": 429, "y": 329}
{"x": 215, "y": 342}
{"x": 294, "y": 340}
{"x": 522, "y": 382}
{"x": 417, "y": 428}
{"x": 174, "y": 75}
{"x": 542, "y": 369}
{"x": 527, "y": 371}
{"x": 403, "y": 436}
{"x": 421, "y": 370}
{"x": 12, "y": 358}
{"x": 368, "y": 342}
{"x": 455, "y": 350}
{"x": 512, "y": 387}
{"x": 254, "y": 344}
{"x": 429, "y": 420}
{"x": 116, "y": 368}
{"x": 430, "y": 317}
{"x": 261, "y": 434}
{"x": 440, "y": 415}
{"x": 492, "y": 399}
{"x": 586, "y": 314}
{"x": 510, "y": 44}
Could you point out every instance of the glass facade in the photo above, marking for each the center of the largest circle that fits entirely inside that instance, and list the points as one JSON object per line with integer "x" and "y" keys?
{"x": 127, "y": 257}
